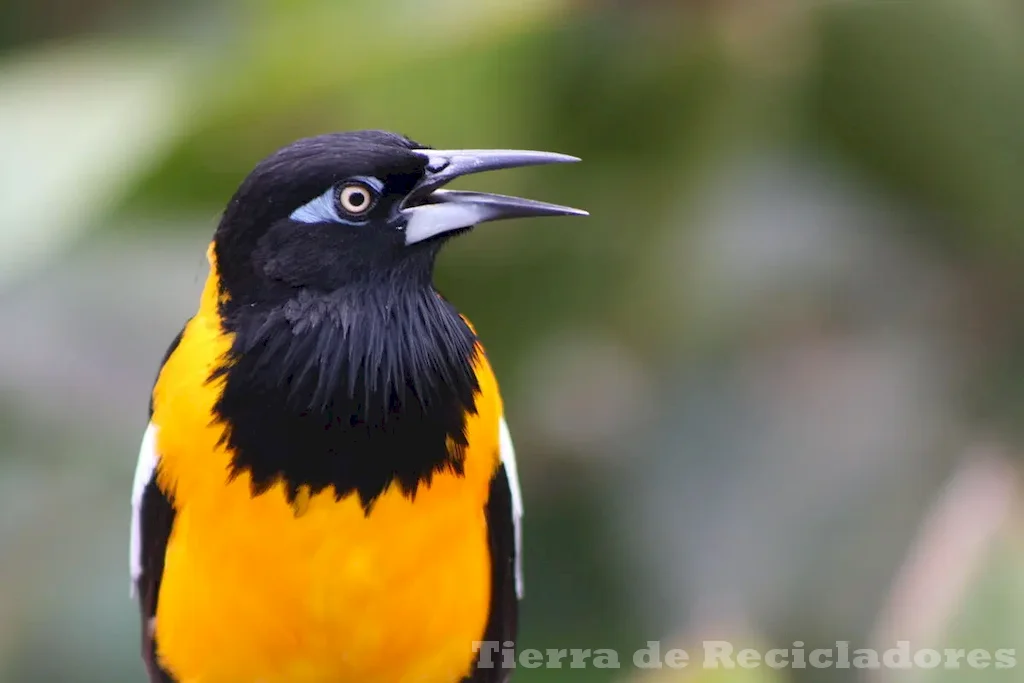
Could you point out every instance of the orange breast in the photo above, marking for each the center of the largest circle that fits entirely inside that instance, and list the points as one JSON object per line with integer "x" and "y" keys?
{"x": 256, "y": 589}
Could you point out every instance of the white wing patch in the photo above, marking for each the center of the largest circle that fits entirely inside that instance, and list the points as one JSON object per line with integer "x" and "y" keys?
{"x": 143, "y": 474}
{"x": 508, "y": 459}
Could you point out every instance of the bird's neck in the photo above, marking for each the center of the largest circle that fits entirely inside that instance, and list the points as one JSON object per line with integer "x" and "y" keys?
{"x": 359, "y": 343}
{"x": 352, "y": 389}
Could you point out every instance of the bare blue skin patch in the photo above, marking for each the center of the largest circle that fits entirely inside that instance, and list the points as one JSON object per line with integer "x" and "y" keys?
{"x": 324, "y": 209}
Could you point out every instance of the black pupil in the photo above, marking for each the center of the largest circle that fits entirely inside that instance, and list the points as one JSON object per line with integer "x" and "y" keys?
{"x": 357, "y": 198}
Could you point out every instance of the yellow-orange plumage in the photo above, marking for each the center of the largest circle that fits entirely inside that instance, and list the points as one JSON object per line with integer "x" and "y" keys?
{"x": 251, "y": 591}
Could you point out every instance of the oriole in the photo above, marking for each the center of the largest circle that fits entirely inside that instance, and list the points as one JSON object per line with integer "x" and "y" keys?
{"x": 326, "y": 491}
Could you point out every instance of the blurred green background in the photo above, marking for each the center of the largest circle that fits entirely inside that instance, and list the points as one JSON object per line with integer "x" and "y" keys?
{"x": 770, "y": 391}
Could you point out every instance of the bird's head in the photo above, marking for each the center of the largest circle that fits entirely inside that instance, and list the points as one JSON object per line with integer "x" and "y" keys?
{"x": 354, "y": 210}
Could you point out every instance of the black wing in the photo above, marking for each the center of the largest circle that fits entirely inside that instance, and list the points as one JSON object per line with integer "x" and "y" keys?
{"x": 152, "y": 519}
{"x": 501, "y": 529}
{"x": 157, "y": 517}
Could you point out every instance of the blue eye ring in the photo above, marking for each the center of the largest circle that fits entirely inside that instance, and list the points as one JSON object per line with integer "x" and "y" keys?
{"x": 331, "y": 207}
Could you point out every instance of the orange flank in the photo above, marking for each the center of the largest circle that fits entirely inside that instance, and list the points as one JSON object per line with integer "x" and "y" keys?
{"x": 261, "y": 590}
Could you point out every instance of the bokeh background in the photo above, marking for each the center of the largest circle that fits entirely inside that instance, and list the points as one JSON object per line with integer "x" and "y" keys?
{"x": 771, "y": 391}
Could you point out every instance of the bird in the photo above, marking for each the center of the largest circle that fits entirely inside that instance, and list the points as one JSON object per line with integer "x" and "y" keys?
{"x": 326, "y": 490}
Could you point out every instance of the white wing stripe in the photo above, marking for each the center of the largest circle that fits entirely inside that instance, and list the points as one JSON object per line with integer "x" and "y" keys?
{"x": 508, "y": 458}
{"x": 143, "y": 474}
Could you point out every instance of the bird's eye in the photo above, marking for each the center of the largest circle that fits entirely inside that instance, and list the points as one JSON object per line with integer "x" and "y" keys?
{"x": 356, "y": 198}
{"x": 342, "y": 203}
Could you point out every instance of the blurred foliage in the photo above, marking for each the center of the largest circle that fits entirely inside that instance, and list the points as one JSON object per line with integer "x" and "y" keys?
{"x": 950, "y": 141}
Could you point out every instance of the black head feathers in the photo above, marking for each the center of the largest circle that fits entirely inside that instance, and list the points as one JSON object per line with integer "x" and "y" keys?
{"x": 347, "y": 369}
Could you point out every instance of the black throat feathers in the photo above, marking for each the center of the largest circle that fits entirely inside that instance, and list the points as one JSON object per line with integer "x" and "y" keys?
{"x": 357, "y": 389}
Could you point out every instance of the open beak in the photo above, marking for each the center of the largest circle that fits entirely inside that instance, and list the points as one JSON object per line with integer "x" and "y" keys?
{"x": 430, "y": 211}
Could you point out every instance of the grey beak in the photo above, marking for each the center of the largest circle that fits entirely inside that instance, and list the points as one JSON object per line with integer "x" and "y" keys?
{"x": 430, "y": 212}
